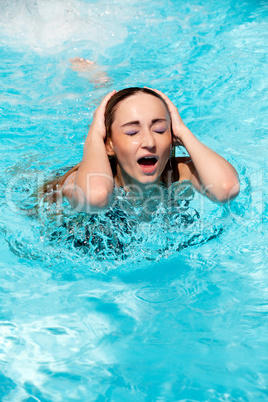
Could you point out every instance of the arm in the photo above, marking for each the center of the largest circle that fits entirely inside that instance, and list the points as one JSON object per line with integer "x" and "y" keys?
{"x": 209, "y": 172}
{"x": 93, "y": 185}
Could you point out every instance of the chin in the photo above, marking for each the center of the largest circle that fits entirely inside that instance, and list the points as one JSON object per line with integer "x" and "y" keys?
{"x": 148, "y": 180}
{"x": 142, "y": 180}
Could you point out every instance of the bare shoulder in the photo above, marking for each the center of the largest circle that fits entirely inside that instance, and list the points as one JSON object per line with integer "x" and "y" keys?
{"x": 68, "y": 185}
{"x": 184, "y": 167}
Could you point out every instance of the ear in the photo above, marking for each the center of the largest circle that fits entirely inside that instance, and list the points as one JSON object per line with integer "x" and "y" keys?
{"x": 109, "y": 147}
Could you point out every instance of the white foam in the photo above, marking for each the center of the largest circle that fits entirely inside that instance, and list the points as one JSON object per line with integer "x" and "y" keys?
{"x": 46, "y": 25}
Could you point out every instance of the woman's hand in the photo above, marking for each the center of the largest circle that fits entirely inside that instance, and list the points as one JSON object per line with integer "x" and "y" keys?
{"x": 97, "y": 127}
{"x": 176, "y": 121}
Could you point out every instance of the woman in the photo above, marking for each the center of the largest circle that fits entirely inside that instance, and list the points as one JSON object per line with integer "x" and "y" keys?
{"x": 129, "y": 144}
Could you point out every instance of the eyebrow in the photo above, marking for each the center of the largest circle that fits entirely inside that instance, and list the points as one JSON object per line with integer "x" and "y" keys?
{"x": 137, "y": 122}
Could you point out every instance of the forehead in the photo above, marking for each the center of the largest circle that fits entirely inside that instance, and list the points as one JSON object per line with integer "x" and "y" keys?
{"x": 139, "y": 106}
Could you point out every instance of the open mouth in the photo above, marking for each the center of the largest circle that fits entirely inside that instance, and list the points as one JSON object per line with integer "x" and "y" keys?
{"x": 148, "y": 161}
{"x": 148, "y": 164}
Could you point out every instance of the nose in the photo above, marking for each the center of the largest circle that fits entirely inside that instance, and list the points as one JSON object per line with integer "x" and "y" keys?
{"x": 148, "y": 140}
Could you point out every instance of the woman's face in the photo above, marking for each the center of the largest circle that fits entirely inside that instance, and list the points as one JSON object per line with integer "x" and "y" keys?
{"x": 141, "y": 138}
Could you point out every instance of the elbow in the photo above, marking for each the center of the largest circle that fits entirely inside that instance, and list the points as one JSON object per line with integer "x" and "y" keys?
{"x": 94, "y": 201}
{"x": 97, "y": 200}
{"x": 229, "y": 190}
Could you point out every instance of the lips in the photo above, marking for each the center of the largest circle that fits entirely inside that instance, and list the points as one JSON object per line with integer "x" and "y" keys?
{"x": 148, "y": 164}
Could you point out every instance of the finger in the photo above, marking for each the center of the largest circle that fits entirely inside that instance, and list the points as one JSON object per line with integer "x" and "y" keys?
{"x": 108, "y": 96}
{"x": 156, "y": 90}
{"x": 102, "y": 106}
{"x": 165, "y": 97}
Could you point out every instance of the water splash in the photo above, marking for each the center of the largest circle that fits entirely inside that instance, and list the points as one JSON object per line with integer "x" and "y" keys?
{"x": 128, "y": 234}
{"x": 46, "y": 26}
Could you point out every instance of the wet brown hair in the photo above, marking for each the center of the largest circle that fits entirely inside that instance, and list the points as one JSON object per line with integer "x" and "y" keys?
{"x": 119, "y": 97}
{"x": 53, "y": 187}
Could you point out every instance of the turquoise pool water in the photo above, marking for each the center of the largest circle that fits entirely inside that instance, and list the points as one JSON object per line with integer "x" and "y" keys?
{"x": 167, "y": 304}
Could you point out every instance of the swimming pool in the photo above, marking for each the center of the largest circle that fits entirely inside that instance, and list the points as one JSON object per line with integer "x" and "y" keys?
{"x": 167, "y": 307}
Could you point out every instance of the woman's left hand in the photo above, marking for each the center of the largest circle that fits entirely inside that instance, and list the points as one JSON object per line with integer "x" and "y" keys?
{"x": 176, "y": 121}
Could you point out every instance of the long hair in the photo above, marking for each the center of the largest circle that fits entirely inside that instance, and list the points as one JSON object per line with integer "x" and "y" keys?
{"x": 53, "y": 187}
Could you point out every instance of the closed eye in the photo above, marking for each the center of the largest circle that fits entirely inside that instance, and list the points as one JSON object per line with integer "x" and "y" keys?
{"x": 131, "y": 132}
{"x": 160, "y": 128}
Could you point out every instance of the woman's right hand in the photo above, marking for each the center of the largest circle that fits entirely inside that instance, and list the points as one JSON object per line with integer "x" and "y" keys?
{"x": 98, "y": 123}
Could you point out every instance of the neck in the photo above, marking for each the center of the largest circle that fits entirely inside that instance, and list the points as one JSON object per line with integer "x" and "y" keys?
{"x": 130, "y": 184}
